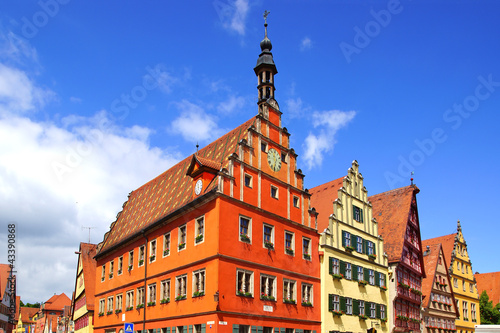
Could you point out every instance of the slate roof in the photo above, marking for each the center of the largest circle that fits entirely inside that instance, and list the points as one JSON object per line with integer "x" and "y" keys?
{"x": 391, "y": 209}
{"x": 169, "y": 191}
{"x": 447, "y": 242}
{"x": 322, "y": 198}
{"x": 491, "y": 283}
{"x": 87, "y": 254}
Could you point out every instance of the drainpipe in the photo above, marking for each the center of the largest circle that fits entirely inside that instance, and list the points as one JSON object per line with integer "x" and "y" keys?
{"x": 145, "y": 277}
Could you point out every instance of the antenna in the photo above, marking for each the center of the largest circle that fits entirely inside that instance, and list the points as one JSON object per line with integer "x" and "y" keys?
{"x": 411, "y": 179}
{"x": 89, "y": 230}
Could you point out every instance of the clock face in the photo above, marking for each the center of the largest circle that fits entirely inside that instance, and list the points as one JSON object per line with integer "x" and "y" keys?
{"x": 198, "y": 187}
{"x": 274, "y": 159}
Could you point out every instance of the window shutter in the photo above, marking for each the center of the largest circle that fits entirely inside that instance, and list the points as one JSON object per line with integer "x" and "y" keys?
{"x": 276, "y": 330}
{"x": 343, "y": 306}
{"x": 299, "y": 331}
{"x": 353, "y": 241}
{"x": 354, "y": 272}
{"x": 190, "y": 328}
{"x": 360, "y": 215}
{"x": 353, "y": 212}
{"x": 282, "y": 330}
{"x": 377, "y": 279}
{"x": 367, "y": 308}
{"x": 259, "y": 329}
{"x": 330, "y": 265}
{"x": 203, "y": 328}
{"x": 168, "y": 329}
{"x": 355, "y": 307}
{"x": 343, "y": 238}
{"x": 342, "y": 267}
{"x": 184, "y": 328}
{"x": 330, "y": 302}
{"x": 254, "y": 329}
{"x": 173, "y": 329}
{"x": 236, "y": 328}
{"x": 374, "y": 249}
{"x": 366, "y": 274}
{"x": 365, "y": 246}
{"x": 378, "y": 311}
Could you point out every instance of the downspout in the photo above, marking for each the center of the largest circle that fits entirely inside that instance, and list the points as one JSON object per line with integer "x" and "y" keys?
{"x": 145, "y": 277}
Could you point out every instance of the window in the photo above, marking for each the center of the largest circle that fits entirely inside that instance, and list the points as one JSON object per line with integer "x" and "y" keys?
{"x": 348, "y": 271}
{"x": 120, "y": 265}
{"x": 335, "y": 266}
{"x": 141, "y": 255}
{"x": 200, "y": 229}
{"x": 245, "y": 229}
{"x": 283, "y": 157}
{"x": 455, "y": 282}
{"x": 335, "y": 303}
{"x": 267, "y": 287}
{"x": 103, "y": 272}
{"x": 473, "y": 311}
{"x": 373, "y": 310}
{"x": 131, "y": 260}
{"x": 471, "y": 288}
{"x": 129, "y": 301}
{"x": 382, "y": 311}
{"x": 199, "y": 283}
{"x": 119, "y": 303}
{"x": 346, "y": 239}
{"x": 307, "y": 293}
{"x": 370, "y": 247}
{"x": 382, "y": 279}
{"x": 140, "y": 297}
{"x": 180, "y": 287}
{"x": 306, "y": 248}
{"x": 360, "y": 274}
{"x": 463, "y": 285}
{"x": 165, "y": 291}
{"x": 244, "y": 281}
{"x": 465, "y": 310}
{"x": 102, "y": 305}
{"x": 268, "y": 236}
{"x": 267, "y": 330}
{"x": 243, "y": 329}
{"x": 263, "y": 147}
{"x": 197, "y": 328}
{"x": 289, "y": 242}
{"x": 371, "y": 277}
{"x": 152, "y": 250}
{"x": 274, "y": 192}
{"x": 289, "y": 291}
{"x": 166, "y": 244}
{"x": 182, "y": 237}
{"x": 359, "y": 244}
{"x": 296, "y": 201}
{"x": 361, "y": 307}
{"x": 111, "y": 268}
{"x": 248, "y": 180}
{"x": 110, "y": 304}
{"x": 152, "y": 294}
{"x": 348, "y": 304}
{"x": 357, "y": 213}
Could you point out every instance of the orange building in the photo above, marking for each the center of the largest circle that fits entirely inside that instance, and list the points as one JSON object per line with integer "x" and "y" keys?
{"x": 489, "y": 282}
{"x": 224, "y": 241}
{"x": 50, "y": 312}
{"x": 396, "y": 213}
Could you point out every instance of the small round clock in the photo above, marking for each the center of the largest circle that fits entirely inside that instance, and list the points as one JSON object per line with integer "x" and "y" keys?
{"x": 198, "y": 187}
{"x": 274, "y": 159}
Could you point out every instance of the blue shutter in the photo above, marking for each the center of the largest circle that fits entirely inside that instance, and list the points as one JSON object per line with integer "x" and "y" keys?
{"x": 259, "y": 329}
{"x": 167, "y": 330}
{"x": 190, "y": 328}
{"x": 276, "y": 330}
{"x": 236, "y": 328}
{"x": 283, "y": 330}
{"x": 203, "y": 328}
{"x": 254, "y": 329}
{"x": 173, "y": 329}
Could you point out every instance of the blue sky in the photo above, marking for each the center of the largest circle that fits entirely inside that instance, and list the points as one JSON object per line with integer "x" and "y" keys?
{"x": 96, "y": 99}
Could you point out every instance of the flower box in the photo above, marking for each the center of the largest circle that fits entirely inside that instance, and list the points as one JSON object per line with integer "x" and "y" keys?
{"x": 199, "y": 238}
{"x": 165, "y": 301}
{"x": 383, "y": 320}
{"x": 141, "y": 262}
{"x": 152, "y": 258}
{"x": 304, "y": 303}
{"x": 269, "y": 245}
{"x": 289, "y": 251}
{"x": 180, "y": 297}
{"x": 337, "y": 313}
{"x": 139, "y": 306}
{"x": 372, "y": 256}
{"x": 349, "y": 248}
{"x": 129, "y": 267}
{"x": 110, "y": 275}
{"x": 129, "y": 308}
{"x": 166, "y": 252}
{"x": 151, "y": 303}
{"x": 289, "y": 301}
{"x": 265, "y": 297}
{"x": 363, "y": 317}
{"x": 384, "y": 288}
{"x": 245, "y": 294}
{"x": 307, "y": 256}
{"x": 182, "y": 245}
{"x": 245, "y": 238}
{"x": 119, "y": 271}
{"x": 101, "y": 314}
{"x": 416, "y": 291}
{"x": 118, "y": 311}
{"x": 109, "y": 312}
{"x": 403, "y": 285}
{"x": 198, "y": 293}
{"x": 337, "y": 276}
{"x": 402, "y": 318}
{"x": 362, "y": 282}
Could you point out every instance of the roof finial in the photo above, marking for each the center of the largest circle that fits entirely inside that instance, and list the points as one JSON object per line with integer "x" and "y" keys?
{"x": 459, "y": 227}
{"x": 197, "y": 146}
{"x": 266, "y": 13}
{"x": 411, "y": 179}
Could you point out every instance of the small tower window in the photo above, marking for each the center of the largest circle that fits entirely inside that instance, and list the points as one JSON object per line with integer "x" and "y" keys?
{"x": 268, "y": 77}
{"x": 268, "y": 92}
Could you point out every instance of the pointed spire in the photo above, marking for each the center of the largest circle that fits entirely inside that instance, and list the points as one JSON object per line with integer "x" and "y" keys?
{"x": 265, "y": 69}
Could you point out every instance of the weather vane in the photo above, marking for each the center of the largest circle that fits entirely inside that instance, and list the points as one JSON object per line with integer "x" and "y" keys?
{"x": 266, "y": 12}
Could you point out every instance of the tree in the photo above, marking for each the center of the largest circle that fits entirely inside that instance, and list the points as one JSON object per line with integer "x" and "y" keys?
{"x": 489, "y": 315}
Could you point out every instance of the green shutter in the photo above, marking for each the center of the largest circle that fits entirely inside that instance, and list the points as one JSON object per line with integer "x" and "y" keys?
{"x": 377, "y": 279}
{"x": 343, "y": 238}
{"x": 367, "y": 308}
{"x": 378, "y": 311}
{"x": 276, "y": 330}
{"x": 342, "y": 267}
{"x": 184, "y": 328}
{"x": 353, "y": 241}
{"x": 282, "y": 330}
{"x": 299, "y": 330}
{"x": 168, "y": 329}
{"x": 203, "y": 328}
{"x": 330, "y": 265}
{"x": 173, "y": 329}
{"x": 236, "y": 328}
{"x": 259, "y": 329}
{"x": 353, "y": 212}
{"x": 254, "y": 329}
{"x": 374, "y": 249}
{"x": 354, "y": 270}
{"x": 360, "y": 215}
{"x": 365, "y": 246}
{"x": 343, "y": 306}
{"x": 190, "y": 328}
{"x": 366, "y": 274}
{"x": 330, "y": 302}
{"x": 355, "y": 307}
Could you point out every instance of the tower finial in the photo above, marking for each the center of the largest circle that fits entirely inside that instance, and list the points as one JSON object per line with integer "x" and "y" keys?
{"x": 197, "y": 146}
{"x": 266, "y": 13}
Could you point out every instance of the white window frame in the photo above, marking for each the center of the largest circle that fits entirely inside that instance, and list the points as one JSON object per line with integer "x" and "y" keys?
{"x": 296, "y": 201}
{"x": 264, "y": 235}
{"x": 373, "y": 310}
{"x": 370, "y": 247}
{"x": 182, "y": 237}
{"x": 152, "y": 250}
{"x": 151, "y": 293}
{"x": 276, "y": 193}
{"x": 167, "y": 242}
{"x": 119, "y": 303}
{"x": 361, "y": 273}
{"x": 250, "y": 180}
{"x": 348, "y": 271}
{"x": 371, "y": 277}
{"x": 102, "y": 305}
{"x": 268, "y": 285}
{"x": 249, "y": 229}
{"x": 335, "y": 266}
{"x": 199, "y": 282}
{"x": 131, "y": 260}
{"x": 289, "y": 290}
{"x": 129, "y": 301}
{"x": 244, "y": 281}
{"x": 348, "y": 305}
{"x": 359, "y": 244}
{"x": 292, "y": 243}
{"x": 165, "y": 291}
{"x": 381, "y": 279}
{"x": 111, "y": 269}
{"x": 110, "y": 306}
{"x": 120, "y": 265}
{"x": 336, "y": 303}
{"x": 140, "y": 297}
{"x": 306, "y": 252}
{"x": 181, "y": 286}
{"x": 307, "y": 293}
{"x": 142, "y": 255}
{"x": 383, "y": 312}
{"x": 199, "y": 229}
{"x": 103, "y": 272}
{"x": 361, "y": 306}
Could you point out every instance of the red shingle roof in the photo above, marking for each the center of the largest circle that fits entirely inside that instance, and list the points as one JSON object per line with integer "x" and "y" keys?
{"x": 57, "y": 302}
{"x": 87, "y": 253}
{"x": 391, "y": 210}
{"x": 27, "y": 313}
{"x": 430, "y": 262}
{"x": 169, "y": 191}
{"x": 447, "y": 242}
{"x": 4, "y": 275}
{"x": 489, "y": 282}
{"x": 322, "y": 198}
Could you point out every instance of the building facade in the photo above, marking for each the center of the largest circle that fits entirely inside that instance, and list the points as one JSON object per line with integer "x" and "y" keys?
{"x": 354, "y": 294}
{"x": 462, "y": 277}
{"x": 8, "y": 312}
{"x": 223, "y": 241}
{"x": 83, "y": 302}
{"x": 489, "y": 282}
{"x": 397, "y": 215}
{"x": 439, "y": 307}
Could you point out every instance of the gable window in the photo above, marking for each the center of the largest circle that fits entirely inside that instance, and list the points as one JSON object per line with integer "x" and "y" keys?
{"x": 141, "y": 255}
{"x": 346, "y": 239}
{"x": 274, "y": 192}
{"x": 129, "y": 301}
{"x": 289, "y": 243}
{"x": 359, "y": 244}
{"x": 111, "y": 268}
{"x": 166, "y": 244}
{"x": 199, "y": 283}
{"x": 357, "y": 213}
{"x": 165, "y": 291}
{"x": 140, "y": 297}
{"x": 180, "y": 287}
{"x": 120, "y": 265}
{"x": 267, "y": 287}
{"x": 296, "y": 201}
{"x": 244, "y": 281}
{"x": 289, "y": 291}
{"x": 245, "y": 229}
{"x": 248, "y": 180}
{"x": 103, "y": 272}
{"x": 182, "y": 237}
{"x": 200, "y": 229}
{"x": 307, "y": 294}
{"x": 131, "y": 260}
{"x": 268, "y": 236}
{"x": 370, "y": 248}
{"x": 152, "y": 294}
{"x": 306, "y": 248}
{"x": 152, "y": 250}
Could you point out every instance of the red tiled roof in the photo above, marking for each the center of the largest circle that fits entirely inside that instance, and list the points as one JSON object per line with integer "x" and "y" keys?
{"x": 57, "y": 302}
{"x": 169, "y": 191}
{"x": 87, "y": 254}
{"x": 322, "y": 198}
{"x": 430, "y": 264}
{"x": 489, "y": 282}
{"x": 447, "y": 242}
{"x": 391, "y": 209}
{"x": 27, "y": 313}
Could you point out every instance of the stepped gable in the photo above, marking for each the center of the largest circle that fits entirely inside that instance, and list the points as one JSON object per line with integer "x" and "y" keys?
{"x": 489, "y": 282}
{"x": 171, "y": 190}
{"x": 87, "y": 255}
{"x": 431, "y": 258}
{"x": 448, "y": 244}
{"x": 322, "y": 198}
{"x": 392, "y": 209}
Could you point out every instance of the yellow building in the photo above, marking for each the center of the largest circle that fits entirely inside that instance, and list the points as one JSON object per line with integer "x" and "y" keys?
{"x": 83, "y": 307}
{"x": 353, "y": 265}
{"x": 462, "y": 279}
{"x": 25, "y": 321}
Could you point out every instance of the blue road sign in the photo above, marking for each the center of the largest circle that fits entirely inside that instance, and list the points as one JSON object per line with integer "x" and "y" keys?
{"x": 129, "y": 328}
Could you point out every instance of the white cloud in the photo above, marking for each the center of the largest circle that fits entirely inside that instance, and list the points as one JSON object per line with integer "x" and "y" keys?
{"x": 323, "y": 140}
{"x": 232, "y": 105}
{"x": 305, "y": 44}
{"x": 295, "y": 108}
{"x": 194, "y": 124}
{"x": 233, "y": 14}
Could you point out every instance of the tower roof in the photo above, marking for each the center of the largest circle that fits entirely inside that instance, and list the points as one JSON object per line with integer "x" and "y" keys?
{"x": 266, "y": 57}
